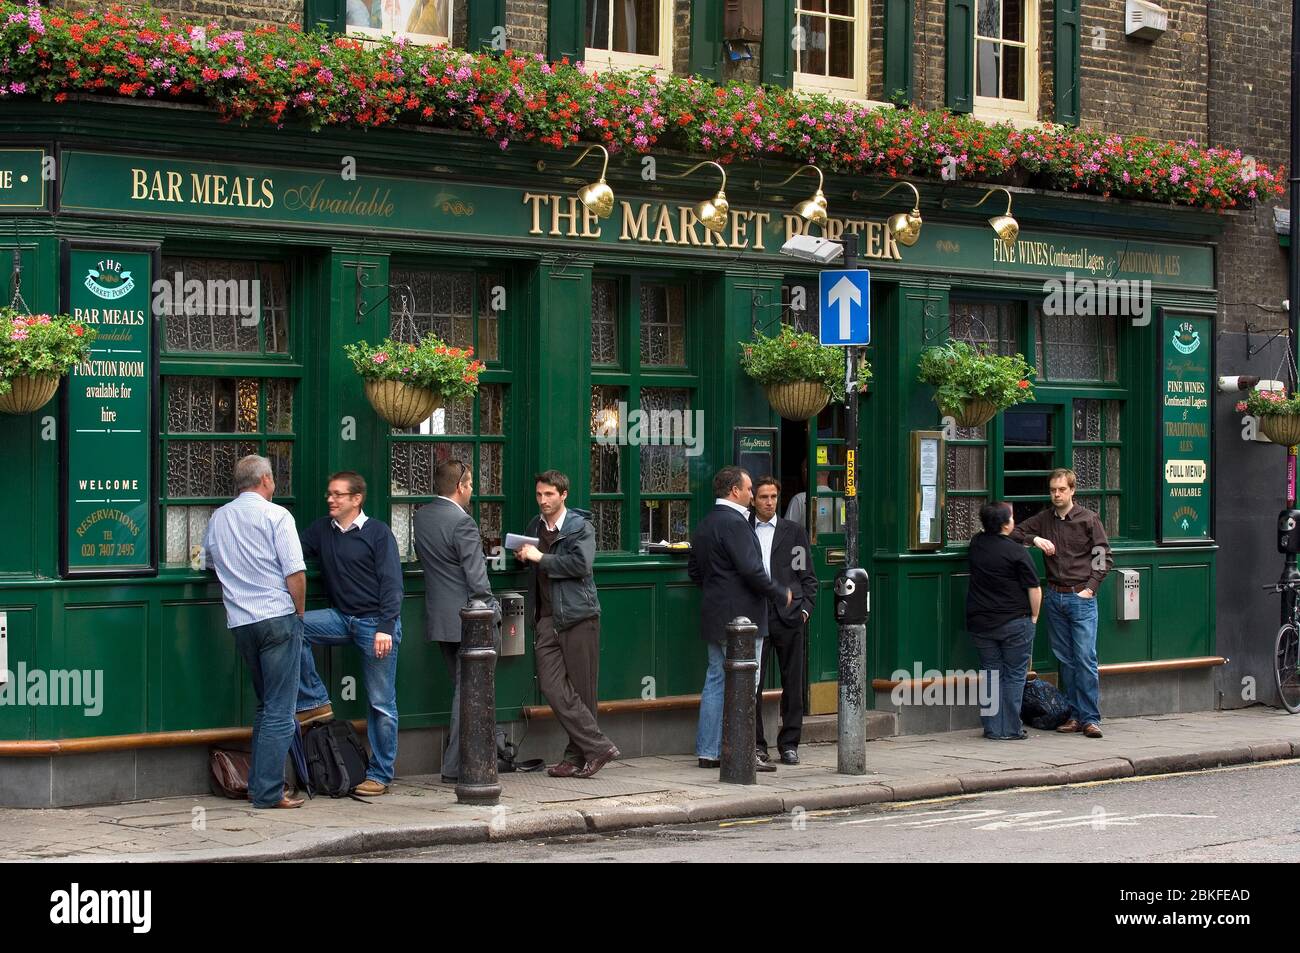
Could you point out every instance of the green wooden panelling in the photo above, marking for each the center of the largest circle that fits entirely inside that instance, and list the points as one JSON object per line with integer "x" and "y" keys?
{"x": 629, "y": 617}
{"x": 777, "y": 66}
{"x": 1184, "y": 605}
{"x": 199, "y": 674}
{"x": 331, "y": 13}
{"x": 564, "y": 23}
{"x": 680, "y": 655}
{"x": 483, "y": 19}
{"x": 560, "y": 394}
{"x": 898, "y": 50}
{"x": 706, "y": 39}
{"x": 18, "y": 721}
{"x": 960, "y": 45}
{"x": 1066, "y": 71}
{"x": 107, "y": 640}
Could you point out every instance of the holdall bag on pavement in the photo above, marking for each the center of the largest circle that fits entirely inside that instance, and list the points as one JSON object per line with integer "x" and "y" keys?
{"x": 1043, "y": 707}
{"x": 228, "y": 772}
{"x": 336, "y": 760}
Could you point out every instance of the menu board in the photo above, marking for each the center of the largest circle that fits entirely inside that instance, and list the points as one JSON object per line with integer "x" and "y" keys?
{"x": 1186, "y": 389}
{"x": 109, "y": 423}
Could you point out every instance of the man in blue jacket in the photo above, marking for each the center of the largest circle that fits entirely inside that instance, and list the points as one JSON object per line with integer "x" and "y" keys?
{"x": 566, "y": 611}
{"x": 363, "y": 583}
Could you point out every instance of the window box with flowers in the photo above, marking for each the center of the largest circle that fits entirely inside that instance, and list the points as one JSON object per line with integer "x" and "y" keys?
{"x": 971, "y": 384}
{"x": 405, "y": 383}
{"x": 1279, "y": 415}
{"x": 35, "y": 352}
{"x": 798, "y": 373}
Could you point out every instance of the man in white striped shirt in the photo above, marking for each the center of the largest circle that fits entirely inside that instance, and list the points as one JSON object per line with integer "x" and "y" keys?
{"x": 253, "y": 545}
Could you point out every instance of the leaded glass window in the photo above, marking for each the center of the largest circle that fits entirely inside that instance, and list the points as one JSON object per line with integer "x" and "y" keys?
{"x": 1096, "y": 465}
{"x": 968, "y": 481}
{"x": 224, "y": 305}
{"x": 1074, "y": 347}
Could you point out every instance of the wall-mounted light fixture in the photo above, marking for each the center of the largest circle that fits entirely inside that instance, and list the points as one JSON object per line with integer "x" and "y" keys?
{"x": 1004, "y": 226}
{"x": 597, "y": 196}
{"x": 712, "y": 213}
{"x": 813, "y": 209}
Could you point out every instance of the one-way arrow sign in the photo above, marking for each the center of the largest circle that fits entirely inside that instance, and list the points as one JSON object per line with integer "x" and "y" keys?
{"x": 845, "y": 307}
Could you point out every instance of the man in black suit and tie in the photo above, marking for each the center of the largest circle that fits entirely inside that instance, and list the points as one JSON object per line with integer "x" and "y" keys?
{"x": 727, "y": 564}
{"x": 787, "y": 558}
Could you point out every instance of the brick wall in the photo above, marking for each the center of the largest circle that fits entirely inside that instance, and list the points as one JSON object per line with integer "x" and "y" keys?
{"x": 526, "y": 25}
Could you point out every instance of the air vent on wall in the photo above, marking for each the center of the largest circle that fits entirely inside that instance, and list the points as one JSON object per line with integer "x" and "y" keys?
{"x": 1144, "y": 20}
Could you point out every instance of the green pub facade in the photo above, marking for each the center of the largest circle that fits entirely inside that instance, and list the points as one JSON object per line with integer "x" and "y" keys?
{"x": 582, "y": 322}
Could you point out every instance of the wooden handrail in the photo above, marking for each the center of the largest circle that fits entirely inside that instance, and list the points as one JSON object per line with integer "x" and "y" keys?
{"x": 154, "y": 739}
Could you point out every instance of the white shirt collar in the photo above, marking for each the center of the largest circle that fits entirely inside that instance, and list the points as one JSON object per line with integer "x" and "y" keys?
{"x": 559, "y": 520}
{"x": 357, "y": 523}
{"x": 742, "y": 510}
{"x": 772, "y": 522}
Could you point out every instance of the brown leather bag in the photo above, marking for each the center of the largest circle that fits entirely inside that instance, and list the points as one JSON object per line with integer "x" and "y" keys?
{"x": 229, "y": 771}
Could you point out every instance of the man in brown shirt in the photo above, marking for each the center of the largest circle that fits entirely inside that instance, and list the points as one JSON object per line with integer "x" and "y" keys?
{"x": 1077, "y": 555}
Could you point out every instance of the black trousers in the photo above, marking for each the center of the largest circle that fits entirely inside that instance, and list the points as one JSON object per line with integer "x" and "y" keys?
{"x": 788, "y": 644}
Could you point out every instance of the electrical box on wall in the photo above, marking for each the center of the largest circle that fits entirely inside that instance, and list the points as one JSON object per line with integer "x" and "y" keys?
{"x": 1128, "y": 594}
{"x": 512, "y": 624}
{"x": 742, "y": 20}
{"x": 1144, "y": 20}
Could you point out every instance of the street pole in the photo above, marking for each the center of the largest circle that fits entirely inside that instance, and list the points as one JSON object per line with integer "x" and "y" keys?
{"x": 852, "y": 710}
{"x": 1289, "y": 570}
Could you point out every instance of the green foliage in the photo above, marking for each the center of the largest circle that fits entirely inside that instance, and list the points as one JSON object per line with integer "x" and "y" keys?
{"x": 40, "y": 344}
{"x": 959, "y": 372}
{"x": 796, "y": 356}
{"x": 451, "y": 372}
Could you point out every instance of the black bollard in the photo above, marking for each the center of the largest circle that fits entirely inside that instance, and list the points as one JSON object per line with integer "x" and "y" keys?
{"x": 478, "y": 782}
{"x": 741, "y": 669}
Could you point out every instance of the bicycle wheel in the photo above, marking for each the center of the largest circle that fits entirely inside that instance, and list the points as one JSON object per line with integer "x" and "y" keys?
{"x": 1286, "y": 667}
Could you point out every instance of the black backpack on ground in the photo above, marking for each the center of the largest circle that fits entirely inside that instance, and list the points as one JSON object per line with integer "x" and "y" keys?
{"x": 336, "y": 760}
{"x": 1043, "y": 707}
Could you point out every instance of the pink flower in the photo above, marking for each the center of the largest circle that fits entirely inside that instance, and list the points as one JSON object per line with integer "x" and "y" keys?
{"x": 379, "y": 358}
{"x": 18, "y": 334}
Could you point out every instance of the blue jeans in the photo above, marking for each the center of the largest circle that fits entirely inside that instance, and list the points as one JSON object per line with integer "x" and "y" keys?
{"x": 1072, "y": 625}
{"x": 1004, "y": 662}
{"x": 708, "y": 737}
{"x": 331, "y": 627}
{"x": 271, "y": 649}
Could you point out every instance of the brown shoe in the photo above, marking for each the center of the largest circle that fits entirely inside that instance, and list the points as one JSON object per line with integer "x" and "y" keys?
{"x": 591, "y": 767}
{"x": 287, "y": 803}
{"x": 369, "y": 788}
{"x": 565, "y": 769}
{"x": 312, "y": 715}
{"x": 1070, "y": 727}
{"x": 1092, "y": 730}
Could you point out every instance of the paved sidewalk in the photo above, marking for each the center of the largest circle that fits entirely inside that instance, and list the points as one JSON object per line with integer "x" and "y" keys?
{"x": 421, "y": 812}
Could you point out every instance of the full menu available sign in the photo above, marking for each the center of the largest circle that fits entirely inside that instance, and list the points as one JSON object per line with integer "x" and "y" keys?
{"x": 1186, "y": 390}
{"x": 109, "y": 438}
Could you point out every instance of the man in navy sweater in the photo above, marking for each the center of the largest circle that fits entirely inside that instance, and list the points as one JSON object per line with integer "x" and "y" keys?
{"x": 363, "y": 583}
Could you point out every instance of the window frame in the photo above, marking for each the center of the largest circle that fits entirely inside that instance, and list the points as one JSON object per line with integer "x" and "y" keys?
{"x": 999, "y": 108}
{"x": 371, "y": 34}
{"x": 602, "y": 59}
{"x": 835, "y": 86}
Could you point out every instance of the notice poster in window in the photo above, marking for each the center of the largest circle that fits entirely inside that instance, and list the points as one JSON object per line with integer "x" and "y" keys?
{"x": 109, "y": 425}
{"x": 927, "y": 489}
{"x": 1186, "y": 451}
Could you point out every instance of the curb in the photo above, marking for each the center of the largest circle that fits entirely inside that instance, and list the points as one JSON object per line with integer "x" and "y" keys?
{"x": 565, "y": 822}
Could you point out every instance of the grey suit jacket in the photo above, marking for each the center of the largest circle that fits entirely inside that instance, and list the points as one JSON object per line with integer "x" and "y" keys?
{"x": 451, "y": 553}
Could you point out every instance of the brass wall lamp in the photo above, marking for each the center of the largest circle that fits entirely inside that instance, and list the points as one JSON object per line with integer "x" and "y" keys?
{"x": 905, "y": 226}
{"x": 1004, "y": 226}
{"x": 813, "y": 209}
{"x": 712, "y": 213}
{"x": 597, "y": 196}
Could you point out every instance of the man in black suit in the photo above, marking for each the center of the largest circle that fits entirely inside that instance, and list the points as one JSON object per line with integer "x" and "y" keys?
{"x": 727, "y": 564}
{"x": 787, "y": 558}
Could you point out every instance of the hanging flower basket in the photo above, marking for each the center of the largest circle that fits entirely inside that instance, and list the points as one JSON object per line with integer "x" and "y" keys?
{"x": 29, "y": 393}
{"x": 798, "y": 400}
{"x": 1279, "y": 415}
{"x": 975, "y": 412}
{"x": 405, "y": 383}
{"x": 36, "y": 350}
{"x": 972, "y": 385}
{"x": 402, "y": 405}
{"x": 1281, "y": 428}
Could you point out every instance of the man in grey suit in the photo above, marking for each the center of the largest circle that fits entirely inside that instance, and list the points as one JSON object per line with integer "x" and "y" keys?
{"x": 450, "y": 548}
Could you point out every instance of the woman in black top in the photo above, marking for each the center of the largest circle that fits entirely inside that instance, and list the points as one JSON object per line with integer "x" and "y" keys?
{"x": 1001, "y": 612}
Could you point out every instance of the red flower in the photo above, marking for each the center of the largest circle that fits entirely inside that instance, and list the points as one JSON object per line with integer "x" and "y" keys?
{"x": 76, "y": 329}
{"x": 1023, "y": 385}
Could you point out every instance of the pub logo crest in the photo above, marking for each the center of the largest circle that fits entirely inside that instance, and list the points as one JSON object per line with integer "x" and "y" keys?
{"x": 107, "y": 280}
{"x": 1186, "y": 338}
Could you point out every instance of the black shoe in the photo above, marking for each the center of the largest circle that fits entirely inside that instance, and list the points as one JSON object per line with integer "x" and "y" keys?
{"x": 789, "y": 756}
{"x": 764, "y": 765}
{"x": 710, "y": 763}
{"x": 761, "y": 755}
{"x": 446, "y": 780}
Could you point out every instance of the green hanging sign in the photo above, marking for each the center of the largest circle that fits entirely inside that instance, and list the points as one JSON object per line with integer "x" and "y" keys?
{"x": 1186, "y": 389}
{"x": 109, "y": 431}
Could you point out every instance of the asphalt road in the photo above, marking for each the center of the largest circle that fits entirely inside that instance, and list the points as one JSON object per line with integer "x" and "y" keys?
{"x": 1243, "y": 814}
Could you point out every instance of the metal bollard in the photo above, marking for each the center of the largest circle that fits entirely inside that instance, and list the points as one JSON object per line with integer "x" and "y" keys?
{"x": 478, "y": 782}
{"x": 741, "y": 668}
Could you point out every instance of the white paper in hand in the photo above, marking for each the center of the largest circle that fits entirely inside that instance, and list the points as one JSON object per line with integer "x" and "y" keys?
{"x": 514, "y": 542}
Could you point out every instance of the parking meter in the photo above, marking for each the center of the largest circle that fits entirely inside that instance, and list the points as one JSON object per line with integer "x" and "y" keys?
{"x": 852, "y": 597}
{"x": 1288, "y": 532}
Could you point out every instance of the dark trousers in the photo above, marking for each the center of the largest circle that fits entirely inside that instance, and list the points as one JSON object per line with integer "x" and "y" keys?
{"x": 788, "y": 644}
{"x": 568, "y": 664}
{"x": 451, "y": 755}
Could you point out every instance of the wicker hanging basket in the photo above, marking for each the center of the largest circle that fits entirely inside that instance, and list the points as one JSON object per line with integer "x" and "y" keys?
{"x": 402, "y": 405}
{"x": 797, "y": 400}
{"x": 29, "y": 393}
{"x": 1281, "y": 428}
{"x": 975, "y": 412}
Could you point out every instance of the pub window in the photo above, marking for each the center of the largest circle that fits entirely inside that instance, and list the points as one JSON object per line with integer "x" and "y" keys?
{"x": 209, "y": 424}
{"x": 830, "y": 46}
{"x": 417, "y": 21}
{"x": 622, "y": 33}
{"x": 463, "y": 308}
{"x": 1006, "y": 58}
{"x": 1096, "y": 442}
{"x": 1076, "y": 347}
{"x": 642, "y": 412}
{"x": 224, "y": 306}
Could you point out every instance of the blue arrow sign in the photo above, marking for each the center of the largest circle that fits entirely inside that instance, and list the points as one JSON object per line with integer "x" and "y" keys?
{"x": 845, "y": 307}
